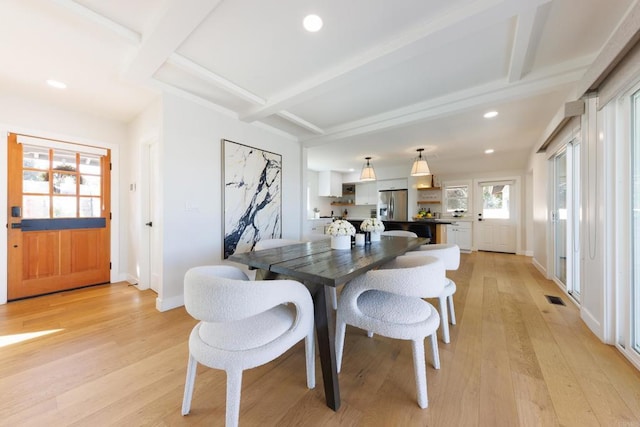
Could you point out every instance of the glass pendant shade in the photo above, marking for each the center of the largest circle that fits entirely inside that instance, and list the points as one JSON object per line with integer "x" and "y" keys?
{"x": 367, "y": 174}
{"x": 420, "y": 166}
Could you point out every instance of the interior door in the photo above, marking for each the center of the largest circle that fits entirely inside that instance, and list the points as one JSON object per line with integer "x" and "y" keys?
{"x": 59, "y": 216}
{"x": 496, "y": 217}
{"x": 155, "y": 255}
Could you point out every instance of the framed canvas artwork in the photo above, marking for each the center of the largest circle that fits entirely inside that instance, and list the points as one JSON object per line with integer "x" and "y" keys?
{"x": 252, "y": 196}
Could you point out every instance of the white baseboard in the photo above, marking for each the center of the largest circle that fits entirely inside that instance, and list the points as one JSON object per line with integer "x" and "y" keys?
{"x": 165, "y": 304}
{"x": 592, "y": 323}
{"x": 539, "y": 266}
{"x": 528, "y": 253}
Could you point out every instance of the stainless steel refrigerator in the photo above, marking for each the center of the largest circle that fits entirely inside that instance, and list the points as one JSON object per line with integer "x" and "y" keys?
{"x": 392, "y": 205}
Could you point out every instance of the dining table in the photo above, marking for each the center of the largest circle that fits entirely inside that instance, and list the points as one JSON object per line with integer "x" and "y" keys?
{"x": 318, "y": 267}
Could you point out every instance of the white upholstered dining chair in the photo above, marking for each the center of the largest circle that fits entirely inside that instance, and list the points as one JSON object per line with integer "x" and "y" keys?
{"x": 450, "y": 254}
{"x": 243, "y": 324}
{"x": 389, "y": 302}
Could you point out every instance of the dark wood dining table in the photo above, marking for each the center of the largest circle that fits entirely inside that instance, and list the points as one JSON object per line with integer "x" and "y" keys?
{"x": 318, "y": 266}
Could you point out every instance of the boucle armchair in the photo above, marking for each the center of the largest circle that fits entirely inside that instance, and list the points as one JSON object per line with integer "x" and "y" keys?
{"x": 450, "y": 254}
{"x": 243, "y": 324}
{"x": 389, "y": 302}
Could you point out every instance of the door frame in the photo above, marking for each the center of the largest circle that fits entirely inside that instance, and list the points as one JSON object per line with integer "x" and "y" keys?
{"x": 573, "y": 254}
{"x": 518, "y": 208}
{"x": 149, "y": 188}
{"x": 5, "y": 129}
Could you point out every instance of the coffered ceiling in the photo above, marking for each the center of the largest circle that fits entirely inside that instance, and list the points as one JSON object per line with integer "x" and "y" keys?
{"x": 380, "y": 79}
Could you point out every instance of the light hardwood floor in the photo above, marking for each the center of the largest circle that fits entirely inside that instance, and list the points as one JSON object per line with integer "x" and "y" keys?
{"x": 514, "y": 359}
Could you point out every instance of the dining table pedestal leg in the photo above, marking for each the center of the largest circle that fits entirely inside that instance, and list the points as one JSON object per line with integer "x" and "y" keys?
{"x": 325, "y": 334}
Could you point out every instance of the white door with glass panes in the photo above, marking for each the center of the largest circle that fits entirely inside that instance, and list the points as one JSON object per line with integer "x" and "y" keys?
{"x": 496, "y": 219}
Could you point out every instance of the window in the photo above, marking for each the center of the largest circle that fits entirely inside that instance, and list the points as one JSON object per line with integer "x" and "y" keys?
{"x": 456, "y": 198}
{"x": 57, "y": 183}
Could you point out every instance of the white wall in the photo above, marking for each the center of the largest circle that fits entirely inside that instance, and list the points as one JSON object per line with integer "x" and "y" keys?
{"x": 540, "y": 212}
{"x": 191, "y": 165}
{"x": 33, "y": 117}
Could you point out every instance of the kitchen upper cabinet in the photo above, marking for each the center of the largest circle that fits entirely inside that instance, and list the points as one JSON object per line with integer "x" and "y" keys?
{"x": 366, "y": 194}
{"x": 329, "y": 184}
{"x": 392, "y": 184}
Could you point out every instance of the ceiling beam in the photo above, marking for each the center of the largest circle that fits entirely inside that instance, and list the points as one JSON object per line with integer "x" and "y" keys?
{"x": 220, "y": 82}
{"x": 180, "y": 19}
{"x": 107, "y": 23}
{"x": 301, "y": 122}
{"x": 492, "y": 93}
{"x": 460, "y": 22}
{"x": 527, "y": 37}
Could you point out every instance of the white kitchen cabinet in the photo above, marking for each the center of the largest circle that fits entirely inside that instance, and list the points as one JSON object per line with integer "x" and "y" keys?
{"x": 329, "y": 184}
{"x": 459, "y": 232}
{"x": 392, "y": 184}
{"x": 366, "y": 194}
{"x": 317, "y": 226}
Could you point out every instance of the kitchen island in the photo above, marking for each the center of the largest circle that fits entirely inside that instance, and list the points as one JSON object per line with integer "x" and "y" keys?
{"x": 435, "y": 229}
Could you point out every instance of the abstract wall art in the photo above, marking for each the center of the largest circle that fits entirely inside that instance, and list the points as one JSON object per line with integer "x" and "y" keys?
{"x": 252, "y": 196}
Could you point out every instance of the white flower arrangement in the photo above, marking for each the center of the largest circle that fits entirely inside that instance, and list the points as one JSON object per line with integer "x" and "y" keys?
{"x": 341, "y": 228}
{"x": 372, "y": 225}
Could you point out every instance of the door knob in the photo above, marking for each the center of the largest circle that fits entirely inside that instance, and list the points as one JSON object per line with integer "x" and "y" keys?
{"x": 149, "y": 224}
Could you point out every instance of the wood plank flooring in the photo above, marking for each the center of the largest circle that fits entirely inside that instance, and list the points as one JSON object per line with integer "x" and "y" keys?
{"x": 107, "y": 357}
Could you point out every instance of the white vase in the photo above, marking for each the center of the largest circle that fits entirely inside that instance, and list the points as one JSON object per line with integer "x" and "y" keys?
{"x": 340, "y": 242}
{"x": 375, "y": 236}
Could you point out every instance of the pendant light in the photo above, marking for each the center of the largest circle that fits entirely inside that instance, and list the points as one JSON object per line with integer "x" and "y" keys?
{"x": 420, "y": 166}
{"x": 367, "y": 173}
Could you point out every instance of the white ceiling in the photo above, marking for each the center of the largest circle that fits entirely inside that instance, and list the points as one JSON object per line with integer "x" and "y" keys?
{"x": 381, "y": 79}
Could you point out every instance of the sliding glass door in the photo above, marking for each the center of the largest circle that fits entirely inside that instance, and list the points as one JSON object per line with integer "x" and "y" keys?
{"x": 565, "y": 217}
{"x": 635, "y": 225}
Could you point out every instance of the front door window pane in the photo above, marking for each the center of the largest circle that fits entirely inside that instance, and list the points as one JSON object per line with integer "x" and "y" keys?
{"x": 90, "y": 164}
{"x": 35, "y": 182}
{"x": 89, "y": 185}
{"x": 64, "y": 160}
{"x": 89, "y": 207}
{"x": 64, "y": 207}
{"x": 35, "y": 157}
{"x": 495, "y": 201}
{"x": 35, "y": 206}
{"x": 64, "y": 183}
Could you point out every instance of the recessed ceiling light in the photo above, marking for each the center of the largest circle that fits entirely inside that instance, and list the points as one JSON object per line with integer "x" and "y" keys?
{"x": 56, "y": 84}
{"x": 488, "y": 151}
{"x": 490, "y": 114}
{"x": 312, "y": 23}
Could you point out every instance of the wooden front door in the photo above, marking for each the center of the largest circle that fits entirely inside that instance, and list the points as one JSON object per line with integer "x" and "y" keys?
{"x": 59, "y": 216}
